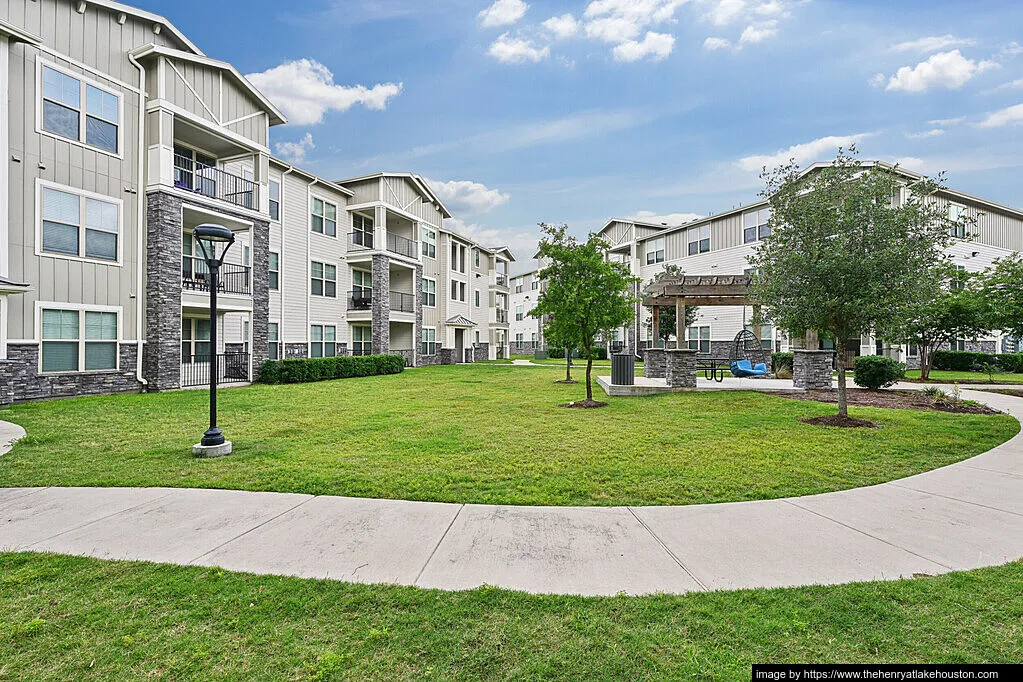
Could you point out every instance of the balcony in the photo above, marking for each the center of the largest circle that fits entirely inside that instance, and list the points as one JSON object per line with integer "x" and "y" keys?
{"x": 232, "y": 368}
{"x": 234, "y": 279}
{"x": 402, "y": 246}
{"x": 502, "y": 315}
{"x": 360, "y": 299}
{"x": 502, "y": 281}
{"x": 193, "y": 176}
{"x": 408, "y": 355}
{"x": 360, "y": 240}
{"x": 402, "y": 302}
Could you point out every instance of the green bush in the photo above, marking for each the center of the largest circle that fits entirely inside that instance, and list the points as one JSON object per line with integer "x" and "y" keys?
{"x": 878, "y": 371}
{"x": 968, "y": 361}
{"x": 556, "y": 353}
{"x": 1011, "y": 362}
{"x": 781, "y": 361}
{"x": 302, "y": 370}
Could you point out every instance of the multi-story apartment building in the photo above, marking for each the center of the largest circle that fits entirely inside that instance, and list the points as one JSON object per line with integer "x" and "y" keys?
{"x": 722, "y": 244}
{"x": 120, "y": 136}
{"x": 526, "y": 333}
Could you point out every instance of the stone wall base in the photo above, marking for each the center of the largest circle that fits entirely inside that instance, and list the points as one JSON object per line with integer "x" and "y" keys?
{"x": 654, "y": 363}
{"x": 20, "y": 378}
{"x": 680, "y": 368}
{"x": 481, "y": 352}
{"x": 812, "y": 369}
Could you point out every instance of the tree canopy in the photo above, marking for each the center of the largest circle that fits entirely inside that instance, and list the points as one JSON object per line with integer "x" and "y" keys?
{"x": 666, "y": 314}
{"x": 1002, "y": 288}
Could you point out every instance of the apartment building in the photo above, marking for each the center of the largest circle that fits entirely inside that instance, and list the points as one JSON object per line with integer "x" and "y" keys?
{"x": 723, "y": 244}
{"x": 525, "y": 332}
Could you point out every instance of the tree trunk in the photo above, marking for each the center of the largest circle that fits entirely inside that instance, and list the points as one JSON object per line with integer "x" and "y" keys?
{"x": 568, "y": 364}
{"x": 843, "y": 404}
{"x": 589, "y": 370}
{"x": 925, "y": 362}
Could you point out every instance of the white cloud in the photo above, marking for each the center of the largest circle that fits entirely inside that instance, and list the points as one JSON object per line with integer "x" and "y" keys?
{"x": 932, "y": 44}
{"x": 924, "y": 134}
{"x": 815, "y": 150}
{"x": 911, "y": 163}
{"x": 562, "y": 27}
{"x": 294, "y": 152}
{"x": 878, "y": 80}
{"x": 1008, "y": 116}
{"x": 1011, "y": 50}
{"x": 656, "y": 46}
{"x": 619, "y": 21}
{"x": 1011, "y": 85}
{"x": 755, "y": 33}
{"x": 949, "y": 70}
{"x": 466, "y": 196}
{"x": 517, "y": 50}
{"x": 305, "y": 91}
{"x": 523, "y": 243}
{"x": 724, "y": 12}
{"x": 716, "y": 43}
{"x": 672, "y": 219}
{"x": 503, "y": 13}
{"x": 944, "y": 122}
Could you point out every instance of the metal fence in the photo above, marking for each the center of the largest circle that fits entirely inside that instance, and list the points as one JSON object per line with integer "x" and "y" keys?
{"x": 360, "y": 239}
{"x": 232, "y": 368}
{"x": 214, "y": 183}
{"x": 234, "y": 279}
{"x": 409, "y": 355}
{"x": 402, "y": 246}
{"x": 403, "y": 303}
{"x": 360, "y": 299}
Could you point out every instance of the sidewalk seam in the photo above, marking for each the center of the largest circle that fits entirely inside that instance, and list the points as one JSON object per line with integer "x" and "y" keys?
{"x": 191, "y": 562}
{"x": 437, "y": 546}
{"x": 665, "y": 548}
{"x": 956, "y": 499}
{"x": 103, "y": 518}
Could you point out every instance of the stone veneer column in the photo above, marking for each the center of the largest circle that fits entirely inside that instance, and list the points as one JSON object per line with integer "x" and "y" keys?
{"x": 381, "y": 304}
{"x": 417, "y": 330}
{"x": 260, "y": 295}
{"x": 812, "y": 369}
{"x": 161, "y": 364}
{"x": 680, "y": 367}
{"x": 653, "y": 363}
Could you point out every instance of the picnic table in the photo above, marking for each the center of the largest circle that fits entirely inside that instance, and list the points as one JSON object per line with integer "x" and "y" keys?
{"x": 713, "y": 368}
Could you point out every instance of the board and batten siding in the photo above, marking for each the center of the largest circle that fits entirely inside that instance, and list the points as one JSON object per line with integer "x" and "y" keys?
{"x": 366, "y": 191}
{"x": 403, "y": 194}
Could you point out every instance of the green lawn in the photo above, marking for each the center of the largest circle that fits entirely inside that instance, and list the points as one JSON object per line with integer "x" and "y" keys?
{"x": 64, "y": 618}
{"x": 938, "y": 375}
{"x": 487, "y": 434}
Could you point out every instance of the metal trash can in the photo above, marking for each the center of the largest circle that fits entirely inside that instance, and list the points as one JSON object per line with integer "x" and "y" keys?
{"x": 540, "y": 354}
{"x": 623, "y": 369}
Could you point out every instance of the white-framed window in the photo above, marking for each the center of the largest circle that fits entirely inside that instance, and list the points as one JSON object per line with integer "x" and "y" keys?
{"x": 754, "y": 225}
{"x": 913, "y": 350}
{"x": 273, "y": 338}
{"x": 699, "y": 338}
{"x": 429, "y": 243}
{"x": 476, "y": 256}
{"x": 362, "y": 340}
{"x": 956, "y": 212}
{"x": 535, "y": 284}
{"x": 699, "y": 240}
{"x": 655, "y": 251}
{"x": 519, "y": 337}
{"x": 518, "y": 313}
{"x": 245, "y": 335}
{"x": 458, "y": 257}
{"x": 195, "y": 340}
{"x": 429, "y": 293}
{"x": 78, "y": 224}
{"x": 275, "y": 200}
{"x": 362, "y": 230}
{"x": 324, "y": 279}
{"x": 518, "y": 285}
{"x": 324, "y": 217}
{"x": 78, "y": 109}
{"x": 477, "y": 295}
{"x": 532, "y": 336}
{"x": 429, "y": 341}
{"x": 77, "y": 339}
{"x": 767, "y": 337}
{"x": 322, "y": 338}
{"x": 275, "y": 271}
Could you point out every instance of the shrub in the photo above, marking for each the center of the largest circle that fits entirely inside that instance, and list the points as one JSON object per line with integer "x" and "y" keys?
{"x": 301, "y": 370}
{"x": 1012, "y": 362}
{"x": 967, "y": 361}
{"x": 878, "y": 371}
{"x": 556, "y": 353}
{"x": 597, "y": 353}
{"x": 781, "y": 361}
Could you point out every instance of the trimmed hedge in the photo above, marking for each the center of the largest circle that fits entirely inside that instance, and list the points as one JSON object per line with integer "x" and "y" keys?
{"x": 878, "y": 371}
{"x": 967, "y": 361}
{"x": 559, "y": 353}
{"x": 781, "y": 361}
{"x": 301, "y": 370}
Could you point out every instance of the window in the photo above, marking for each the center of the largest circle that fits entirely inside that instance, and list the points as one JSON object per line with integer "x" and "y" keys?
{"x": 959, "y": 278}
{"x": 195, "y": 340}
{"x": 476, "y": 255}
{"x": 766, "y": 334}
{"x": 699, "y": 240}
{"x": 518, "y": 313}
{"x": 362, "y": 340}
{"x": 518, "y": 339}
{"x": 63, "y": 347}
{"x": 457, "y": 291}
{"x": 193, "y": 171}
{"x": 80, "y": 226}
{"x": 429, "y": 243}
{"x": 429, "y": 344}
{"x": 324, "y": 280}
{"x": 535, "y": 284}
{"x": 362, "y": 289}
{"x": 655, "y": 251}
{"x": 699, "y": 339}
{"x": 275, "y": 271}
{"x": 324, "y": 217}
{"x": 273, "y": 337}
{"x": 458, "y": 257}
{"x": 97, "y": 125}
{"x": 914, "y": 350}
{"x": 275, "y": 200}
{"x": 518, "y": 285}
{"x": 321, "y": 341}
{"x": 245, "y": 335}
{"x": 754, "y": 225}
{"x": 430, "y": 293}
{"x": 956, "y": 212}
{"x": 477, "y": 293}
{"x": 362, "y": 231}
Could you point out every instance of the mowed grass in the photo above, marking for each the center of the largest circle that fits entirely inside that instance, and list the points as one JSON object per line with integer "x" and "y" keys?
{"x": 484, "y": 434}
{"x": 65, "y": 618}
{"x": 939, "y": 375}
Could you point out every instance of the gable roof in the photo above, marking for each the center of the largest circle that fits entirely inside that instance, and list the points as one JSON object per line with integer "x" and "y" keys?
{"x": 460, "y": 321}
{"x": 17, "y": 35}
{"x": 416, "y": 179}
{"x": 149, "y": 16}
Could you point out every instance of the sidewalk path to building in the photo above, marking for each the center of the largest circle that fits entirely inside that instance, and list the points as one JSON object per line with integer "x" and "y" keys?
{"x": 960, "y": 517}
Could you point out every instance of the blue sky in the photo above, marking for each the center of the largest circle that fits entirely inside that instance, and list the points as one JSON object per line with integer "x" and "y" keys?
{"x": 625, "y": 107}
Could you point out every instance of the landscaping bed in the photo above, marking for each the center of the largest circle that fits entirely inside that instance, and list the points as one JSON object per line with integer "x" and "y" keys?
{"x": 895, "y": 399}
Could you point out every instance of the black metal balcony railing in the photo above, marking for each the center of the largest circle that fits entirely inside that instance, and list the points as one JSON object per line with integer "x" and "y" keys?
{"x": 360, "y": 299}
{"x": 502, "y": 315}
{"x": 214, "y": 183}
{"x": 401, "y": 302}
{"x": 360, "y": 239}
{"x": 234, "y": 279}
{"x": 502, "y": 280}
{"x": 232, "y": 368}
{"x": 409, "y": 355}
{"x": 401, "y": 246}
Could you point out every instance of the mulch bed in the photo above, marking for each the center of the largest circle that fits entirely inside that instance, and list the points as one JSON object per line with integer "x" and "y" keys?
{"x": 566, "y": 381}
{"x": 902, "y": 400}
{"x": 844, "y": 422}
{"x": 584, "y": 404}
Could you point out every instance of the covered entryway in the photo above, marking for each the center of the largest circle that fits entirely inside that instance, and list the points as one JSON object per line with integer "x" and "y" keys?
{"x": 461, "y": 325}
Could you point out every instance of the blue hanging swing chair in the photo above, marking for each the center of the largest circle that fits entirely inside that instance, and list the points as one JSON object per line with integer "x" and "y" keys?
{"x": 748, "y": 357}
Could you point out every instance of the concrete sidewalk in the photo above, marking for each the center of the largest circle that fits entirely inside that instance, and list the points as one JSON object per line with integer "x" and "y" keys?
{"x": 960, "y": 517}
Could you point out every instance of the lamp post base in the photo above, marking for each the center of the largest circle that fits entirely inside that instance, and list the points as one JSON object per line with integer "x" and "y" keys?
{"x": 210, "y": 451}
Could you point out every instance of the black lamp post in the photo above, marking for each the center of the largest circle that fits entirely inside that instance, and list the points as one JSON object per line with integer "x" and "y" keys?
{"x": 208, "y": 236}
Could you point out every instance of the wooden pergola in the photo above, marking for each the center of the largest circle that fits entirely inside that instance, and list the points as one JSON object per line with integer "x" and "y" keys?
{"x": 698, "y": 290}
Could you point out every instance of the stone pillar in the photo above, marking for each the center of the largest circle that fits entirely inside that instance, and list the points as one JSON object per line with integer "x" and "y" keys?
{"x": 654, "y": 363}
{"x": 161, "y": 364}
{"x": 6, "y": 382}
{"x": 260, "y": 296}
{"x": 381, "y": 304}
{"x": 812, "y": 369}
{"x": 680, "y": 367}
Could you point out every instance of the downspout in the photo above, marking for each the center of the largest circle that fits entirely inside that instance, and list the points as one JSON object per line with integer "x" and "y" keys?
{"x": 280, "y": 216}
{"x": 141, "y": 222}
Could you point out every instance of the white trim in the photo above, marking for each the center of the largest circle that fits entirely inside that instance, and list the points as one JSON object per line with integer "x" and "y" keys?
{"x": 40, "y": 185}
{"x": 243, "y": 118}
{"x": 4, "y": 179}
{"x": 82, "y": 113}
{"x": 81, "y": 308}
{"x": 421, "y": 292}
{"x": 215, "y": 213}
{"x": 194, "y": 93}
{"x": 209, "y": 126}
{"x": 90, "y": 69}
{"x": 392, "y": 208}
{"x": 337, "y": 211}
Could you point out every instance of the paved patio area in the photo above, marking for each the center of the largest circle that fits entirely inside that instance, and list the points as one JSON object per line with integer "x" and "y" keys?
{"x": 960, "y": 517}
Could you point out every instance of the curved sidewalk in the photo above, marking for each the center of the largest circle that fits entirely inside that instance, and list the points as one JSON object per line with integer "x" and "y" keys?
{"x": 960, "y": 517}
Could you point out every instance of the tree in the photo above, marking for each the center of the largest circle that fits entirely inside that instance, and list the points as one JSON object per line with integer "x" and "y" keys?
{"x": 586, "y": 296}
{"x": 666, "y": 314}
{"x": 1002, "y": 288}
{"x": 559, "y": 287}
{"x": 844, "y": 254}
{"x": 947, "y": 306}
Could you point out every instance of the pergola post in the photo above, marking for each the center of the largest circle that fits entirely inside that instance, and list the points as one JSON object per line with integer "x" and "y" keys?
{"x": 657, "y": 327}
{"x": 680, "y": 321}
